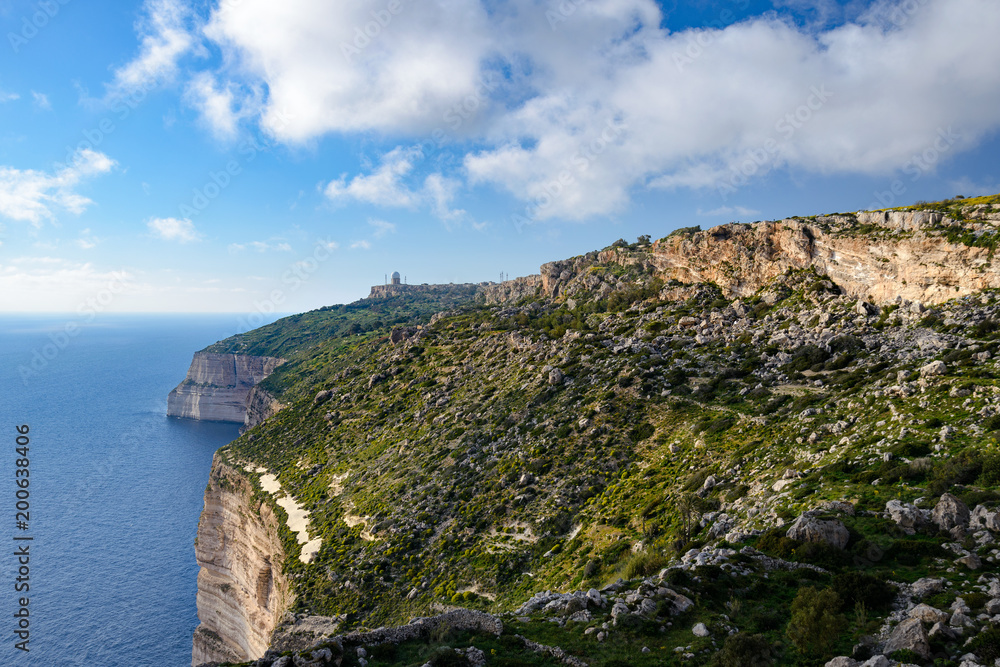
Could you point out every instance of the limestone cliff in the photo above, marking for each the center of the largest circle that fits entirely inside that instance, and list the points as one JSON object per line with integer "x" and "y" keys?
{"x": 260, "y": 406}
{"x": 242, "y": 593}
{"x": 875, "y": 255}
{"x": 511, "y": 291}
{"x": 217, "y": 386}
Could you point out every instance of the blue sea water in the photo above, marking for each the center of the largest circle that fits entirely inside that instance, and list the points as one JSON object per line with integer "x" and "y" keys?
{"x": 116, "y": 486}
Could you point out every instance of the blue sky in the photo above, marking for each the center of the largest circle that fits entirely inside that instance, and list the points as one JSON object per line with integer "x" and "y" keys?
{"x": 242, "y": 155}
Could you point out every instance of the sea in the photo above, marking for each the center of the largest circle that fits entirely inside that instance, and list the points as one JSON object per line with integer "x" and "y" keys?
{"x": 115, "y": 487}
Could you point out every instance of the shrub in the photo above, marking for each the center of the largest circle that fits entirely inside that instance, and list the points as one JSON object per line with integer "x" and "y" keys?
{"x": 805, "y": 357}
{"x": 815, "y": 625}
{"x": 447, "y": 657}
{"x": 854, "y": 587}
{"x": 644, "y": 565}
{"x": 743, "y": 650}
{"x": 776, "y": 543}
{"x": 641, "y": 432}
{"x": 990, "y": 475}
{"x": 987, "y": 645}
{"x": 905, "y": 655}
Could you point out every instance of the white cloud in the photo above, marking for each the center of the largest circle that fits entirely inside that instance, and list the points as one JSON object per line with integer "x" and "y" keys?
{"x": 384, "y": 186}
{"x": 41, "y": 100}
{"x": 164, "y": 39}
{"x": 382, "y": 228}
{"x": 318, "y": 63}
{"x": 441, "y": 192}
{"x": 32, "y": 196}
{"x": 173, "y": 229}
{"x": 86, "y": 241}
{"x": 221, "y": 107}
{"x": 605, "y": 102}
{"x": 8, "y": 97}
{"x": 361, "y": 245}
{"x": 261, "y": 246}
{"x": 40, "y": 283}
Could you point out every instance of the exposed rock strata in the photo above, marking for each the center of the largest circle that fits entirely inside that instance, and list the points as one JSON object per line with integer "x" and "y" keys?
{"x": 217, "y": 386}
{"x": 907, "y": 259}
{"x": 242, "y": 593}
{"x": 512, "y": 291}
{"x": 261, "y": 406}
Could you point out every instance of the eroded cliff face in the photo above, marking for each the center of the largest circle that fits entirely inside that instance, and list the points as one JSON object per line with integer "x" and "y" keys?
{"x": 242, "y": 593}
{"x": 217, "y": 386}
{"x": 261, "y": 406}
{"x": 900, "y": 254}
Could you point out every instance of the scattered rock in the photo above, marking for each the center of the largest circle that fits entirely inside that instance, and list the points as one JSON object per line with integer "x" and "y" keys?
{"x": 909, "y": 635}
{"x": 932, "y": 369}
{"x": 811, "y": 529}
{"x": 700, "y": 630}
{"x": 950, "y": 513}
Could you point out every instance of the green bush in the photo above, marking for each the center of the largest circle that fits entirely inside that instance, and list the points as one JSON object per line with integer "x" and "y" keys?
{"x": 987, "y": 645}
{"x": 815, "y": 625}
{"x": 743, "y": 650}
{"x": 644, "y": 565}
{"x": 775, "y": 543}
{"x": 854, "y": 587}
{"x": 990, "y": 475}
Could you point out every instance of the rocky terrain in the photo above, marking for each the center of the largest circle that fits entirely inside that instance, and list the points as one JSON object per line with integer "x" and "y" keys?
{"x": 759, "y": 444}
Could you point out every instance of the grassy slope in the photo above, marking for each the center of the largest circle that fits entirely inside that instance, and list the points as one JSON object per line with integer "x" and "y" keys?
{"x": 472, "y": 471}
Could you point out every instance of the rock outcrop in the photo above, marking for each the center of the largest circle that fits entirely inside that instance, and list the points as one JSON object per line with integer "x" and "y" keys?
{"x": 217, "y": 386}
{"x": 242, "y": 593}
{"x": 905, "y": 259}
{"x": 261, "y": 406}
{"x": 512, "y": 291}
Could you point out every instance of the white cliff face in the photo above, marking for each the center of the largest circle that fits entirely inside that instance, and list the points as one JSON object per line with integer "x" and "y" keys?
{"x": 242, "y": 593}
{"x": 217, "y": 386}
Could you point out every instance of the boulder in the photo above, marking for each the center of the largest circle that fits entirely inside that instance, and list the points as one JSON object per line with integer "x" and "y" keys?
{"x": 909, "y": 635}
{"x": 950, "y": 512}
{"x": 876, "y": 661}
{"x": 906, "y": 516}
{"x": 842, "y": 661}
{"x": 972, "y": 561}
{"x": 983, "y": 519}
{"x": 699, "y": 630}
{"x": 941, "y": 630}
{"x": 928, "y": 614}
{"x": 932, "y": 369}
{"x": 680, "y": 602}
{"x": 824, "y": 531}
{"x": 619, "y": 609}
{"x": 927, "y": 586}
{"x": 992, "y": 607}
